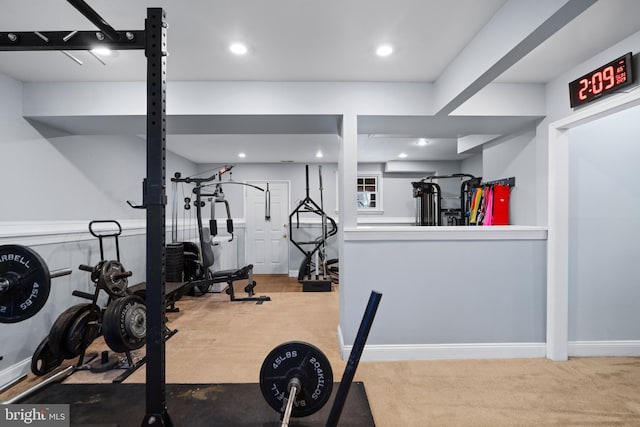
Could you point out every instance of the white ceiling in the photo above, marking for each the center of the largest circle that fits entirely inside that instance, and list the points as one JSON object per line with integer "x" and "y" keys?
{"x": 302, "y": 40}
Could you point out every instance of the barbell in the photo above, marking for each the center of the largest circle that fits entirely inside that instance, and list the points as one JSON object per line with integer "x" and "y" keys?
{"x": 25, "y": 283}
{"x": 296, "y": 377}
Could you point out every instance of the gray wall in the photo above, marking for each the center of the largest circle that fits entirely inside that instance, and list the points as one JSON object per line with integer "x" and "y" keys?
{"x": 69, "y": 177}
{"x": 437, "y": 291}
{"x": 66, "y": 178}
{"x": 604, "y": 228}
{"x": 514, "y": 156}
{"x": 472, "y": 165}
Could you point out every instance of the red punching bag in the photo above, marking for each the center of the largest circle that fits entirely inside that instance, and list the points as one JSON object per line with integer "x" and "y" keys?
{"x": 501, "y": 204}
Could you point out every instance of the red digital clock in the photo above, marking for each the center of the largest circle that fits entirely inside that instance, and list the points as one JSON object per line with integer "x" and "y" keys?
{"x": 606, "y": 79}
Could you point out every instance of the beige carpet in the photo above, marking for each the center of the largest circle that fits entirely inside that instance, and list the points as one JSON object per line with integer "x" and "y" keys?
{"x": 220, "y": 342}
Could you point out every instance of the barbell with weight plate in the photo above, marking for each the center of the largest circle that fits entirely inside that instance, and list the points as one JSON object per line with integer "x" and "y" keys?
{"x": 25, "y": 283}
{"x": 124, "y": 324}
{"x": 296, "y": 379}
{"x": 110, "y": 276}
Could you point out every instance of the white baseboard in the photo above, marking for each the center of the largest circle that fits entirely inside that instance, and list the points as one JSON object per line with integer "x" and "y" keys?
{"x": 603, "y": 348}
{"x": 14, "y": 371}
{"x": 391, "y": 352}
{"x": 449, "y": 351}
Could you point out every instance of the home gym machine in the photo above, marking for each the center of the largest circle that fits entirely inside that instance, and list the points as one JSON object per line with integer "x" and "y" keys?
{"x": 428, "y": 197}
{"x": 314, "y": 272}
{"x": 199, "y": 260}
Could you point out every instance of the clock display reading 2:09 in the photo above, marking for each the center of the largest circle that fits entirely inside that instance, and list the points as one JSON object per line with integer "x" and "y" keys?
{"x": 605, "y": 79}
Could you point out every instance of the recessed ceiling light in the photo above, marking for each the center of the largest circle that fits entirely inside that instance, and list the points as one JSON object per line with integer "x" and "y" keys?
{"x": 422, "y": 142}
{"x": 103, "y": 51}
{"x": 403, "y": 155}
{"x": 384, "y": 50}
{"x": 319, "y": 154}
{"x": 242, "y": 155}
{"x": 238, "y": 48}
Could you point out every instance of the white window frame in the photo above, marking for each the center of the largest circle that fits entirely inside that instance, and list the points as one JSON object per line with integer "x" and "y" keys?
{"x": 378, "y": 209}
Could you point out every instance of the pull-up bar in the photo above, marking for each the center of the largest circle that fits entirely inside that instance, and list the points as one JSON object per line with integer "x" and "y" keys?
{"x": 97, "y": 20}
{"x": 153, "y": 40}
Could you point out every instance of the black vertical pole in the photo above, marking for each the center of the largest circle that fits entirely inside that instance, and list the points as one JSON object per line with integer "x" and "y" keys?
{"x": 155, "y": 200}
{"x": 354, "y": 359}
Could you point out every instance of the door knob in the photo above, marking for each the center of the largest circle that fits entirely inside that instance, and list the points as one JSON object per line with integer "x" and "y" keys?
{"x": 284, "y": 235}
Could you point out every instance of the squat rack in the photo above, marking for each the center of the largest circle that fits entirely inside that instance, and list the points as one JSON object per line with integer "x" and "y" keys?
{"x": 153, "y": 40}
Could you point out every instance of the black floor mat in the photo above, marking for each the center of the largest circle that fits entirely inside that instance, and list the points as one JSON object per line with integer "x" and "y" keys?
{"x": 191, "y": 405}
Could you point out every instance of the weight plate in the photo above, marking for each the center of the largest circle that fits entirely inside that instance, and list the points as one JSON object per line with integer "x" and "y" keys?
{"x": 95, "y": 274}
{"x": 135, "y": 321}
{"x": 121, "y": 324}
{"x": 83, "y": 330}
{"x": 114, "y": 287}
{"x": 61, "y": 327}
{"x": 24, "y": 283}
{"x": 305, "y": 362}
{"x": 44, "y": 360}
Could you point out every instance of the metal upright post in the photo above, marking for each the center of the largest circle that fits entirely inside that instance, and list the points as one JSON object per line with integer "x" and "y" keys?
{"x": 155, "y": 201}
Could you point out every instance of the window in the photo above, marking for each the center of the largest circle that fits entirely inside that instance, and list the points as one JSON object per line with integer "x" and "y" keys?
{"x": 368, "y": 193}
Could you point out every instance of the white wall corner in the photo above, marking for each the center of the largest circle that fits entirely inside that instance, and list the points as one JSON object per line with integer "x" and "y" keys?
{"x": 466, "y": 143}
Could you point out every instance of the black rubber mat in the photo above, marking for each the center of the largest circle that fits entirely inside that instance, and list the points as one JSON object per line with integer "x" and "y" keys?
{"x": 191, "y": 405}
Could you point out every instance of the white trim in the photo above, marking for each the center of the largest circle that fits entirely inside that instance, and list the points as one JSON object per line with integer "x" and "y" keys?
{"x": 31, "y": 233}
{"x": 558, "y": 214}
{"x": 604, "y": 348}
{"x": 341, "y": 344}
{"x": 402, "y": 233}
{"x": 389, "y": 352}
{"x": 392, "y": 352}
{"x": 14, "y": 371}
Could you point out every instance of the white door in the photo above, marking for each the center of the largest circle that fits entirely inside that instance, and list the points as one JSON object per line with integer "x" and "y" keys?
{"x": 268, "y": 240}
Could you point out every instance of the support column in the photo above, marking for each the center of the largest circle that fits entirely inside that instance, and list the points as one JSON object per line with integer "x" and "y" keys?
{"x": 155, "y": 201}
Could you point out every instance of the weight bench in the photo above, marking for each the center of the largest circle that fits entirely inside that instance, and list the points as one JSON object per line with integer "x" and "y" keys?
{"x": 230, "y": 275}
{"x": 233, "y": 275}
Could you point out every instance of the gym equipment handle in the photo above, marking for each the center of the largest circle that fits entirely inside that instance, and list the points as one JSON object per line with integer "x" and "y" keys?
{"x": 119, "y": 276}
{"x": 294, "y": 386}
{"x": 81, "y": 294}
{"x": 59, "y": 273}
{"x": 105, "y": 221}
{"x": 85, "y": 267}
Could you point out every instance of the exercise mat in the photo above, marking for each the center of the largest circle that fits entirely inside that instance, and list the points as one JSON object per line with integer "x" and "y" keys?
{"x": 191, "y": 405}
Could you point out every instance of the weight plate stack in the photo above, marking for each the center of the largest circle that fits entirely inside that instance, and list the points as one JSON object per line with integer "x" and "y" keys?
{"x": 307, "y": 363}
{"x": 25, "y": 283}
{"x": 124, "y": 324}
{"x": 83, "y": 330}
{"x": 174, "y": 264}
{"x": 44, "y": 360}
{"x": 73, "y": 320}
